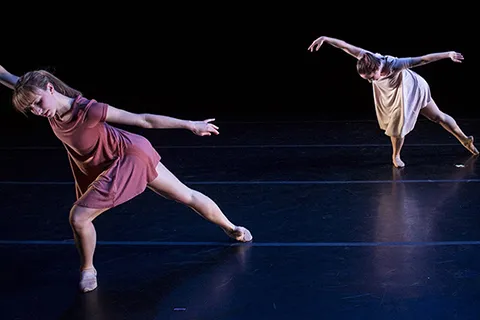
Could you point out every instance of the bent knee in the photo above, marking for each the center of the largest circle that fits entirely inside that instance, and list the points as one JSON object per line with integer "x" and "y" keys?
{"x": 80, "y": 216}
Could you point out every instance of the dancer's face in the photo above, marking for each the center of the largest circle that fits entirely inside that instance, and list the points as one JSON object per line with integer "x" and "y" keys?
{"x": 44, "y": 102}
{"x": 372, "y": 76}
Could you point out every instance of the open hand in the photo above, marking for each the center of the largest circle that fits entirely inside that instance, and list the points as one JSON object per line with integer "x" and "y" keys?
{"x": 455, "y": 56}
{"x": 204, "y": 128}
{"x": 317, "y": 43}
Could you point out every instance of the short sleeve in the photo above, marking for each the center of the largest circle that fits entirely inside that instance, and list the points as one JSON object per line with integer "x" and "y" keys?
{"x": 399, "y": 64}
{"x": 95, "y": 113}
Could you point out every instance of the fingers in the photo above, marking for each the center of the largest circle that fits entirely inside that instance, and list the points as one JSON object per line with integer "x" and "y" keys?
{"x": 204, "y": 128}
{"x": 212, "y": 129}
{"x": 456, "y": 57}
{"x": 211, "y": 125}
{"x": 316, "y": 44}
{"x": 209, "y": 133}
{"x": 312, "y": 47}
{"x": 209, "y": 130}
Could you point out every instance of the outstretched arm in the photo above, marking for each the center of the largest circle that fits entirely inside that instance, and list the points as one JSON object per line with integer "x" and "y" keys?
{"x": 428, "y": 58}
{"x": 337, "y": 43}
{"x": 154, "y": 121}
{"x": 7, "y": 79}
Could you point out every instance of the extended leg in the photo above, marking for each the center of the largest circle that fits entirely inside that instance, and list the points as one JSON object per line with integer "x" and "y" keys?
{"x": 167, "y": 185}
{"x": 433, "y": 113}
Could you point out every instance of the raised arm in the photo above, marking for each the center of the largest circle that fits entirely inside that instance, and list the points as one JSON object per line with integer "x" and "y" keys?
{"x": 154, "y": 121}
{"x": 337, "y": 43}
{"x": 428, "y": 58}
{"x": 7, "y": 79}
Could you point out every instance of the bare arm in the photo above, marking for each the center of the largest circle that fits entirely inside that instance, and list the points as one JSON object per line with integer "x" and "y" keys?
{"x": 154, "y": 121}
{"x": 337, "y": 43}
{"x": 428, "y": 58}
{"x": 7, "y": 79}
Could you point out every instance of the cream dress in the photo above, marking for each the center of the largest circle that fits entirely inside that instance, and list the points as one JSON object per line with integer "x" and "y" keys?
{"x": 399, "y": 96}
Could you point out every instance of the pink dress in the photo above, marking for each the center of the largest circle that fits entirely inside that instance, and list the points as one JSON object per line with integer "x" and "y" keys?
{"x": 110, "y": 165}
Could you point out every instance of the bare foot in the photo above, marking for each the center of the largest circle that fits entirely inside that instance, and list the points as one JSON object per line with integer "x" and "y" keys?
{"x": 397, "y": 162}
{"x": 88, "y": 280}
{"x": 469, "y": 145}
{"x": 240, "y": 234}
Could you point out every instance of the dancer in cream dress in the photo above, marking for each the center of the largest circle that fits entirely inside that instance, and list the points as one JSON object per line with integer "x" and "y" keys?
{"x": 400, "y": 94}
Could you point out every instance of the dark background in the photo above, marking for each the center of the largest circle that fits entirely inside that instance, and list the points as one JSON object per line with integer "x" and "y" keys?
{"x": 238, "y": 62}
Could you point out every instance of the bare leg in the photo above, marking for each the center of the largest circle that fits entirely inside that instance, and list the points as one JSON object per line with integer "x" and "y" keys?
{"x": 433, "y": 113}
{"x": 397, "y": 144}
{"x": 168, "y": 186}
{"x": 85, "y": 239}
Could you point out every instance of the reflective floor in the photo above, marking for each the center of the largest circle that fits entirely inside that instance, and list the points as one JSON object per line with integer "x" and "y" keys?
{"x": 339, "y": 233}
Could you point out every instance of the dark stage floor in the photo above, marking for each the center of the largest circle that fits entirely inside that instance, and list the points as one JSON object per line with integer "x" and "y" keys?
{"x": 338, "y": 232}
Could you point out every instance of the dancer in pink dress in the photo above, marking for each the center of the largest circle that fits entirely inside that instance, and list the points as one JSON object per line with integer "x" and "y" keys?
{"x": 110, "y": 166}
{"x": 400, "y": 94}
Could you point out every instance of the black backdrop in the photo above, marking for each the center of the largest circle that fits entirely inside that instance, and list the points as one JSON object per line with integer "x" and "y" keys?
{"x": 236, "y": 62}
